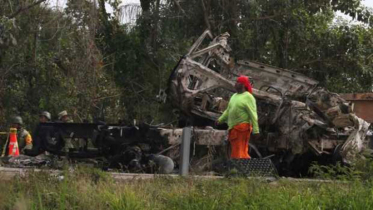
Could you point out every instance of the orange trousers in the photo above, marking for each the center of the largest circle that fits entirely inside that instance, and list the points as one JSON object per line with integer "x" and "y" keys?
{"x": 239, "y": 137}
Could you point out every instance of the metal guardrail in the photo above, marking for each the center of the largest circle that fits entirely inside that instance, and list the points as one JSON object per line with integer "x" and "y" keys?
{"x": 185, "y": 151}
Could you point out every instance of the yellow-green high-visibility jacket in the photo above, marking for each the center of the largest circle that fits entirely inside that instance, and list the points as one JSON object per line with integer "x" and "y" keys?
{"x": 241, "y": 109}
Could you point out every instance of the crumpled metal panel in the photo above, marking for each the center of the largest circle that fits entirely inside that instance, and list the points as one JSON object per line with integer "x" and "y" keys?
{"x": 265, "y": 76}
{"x": 355, "y": 142}
{"x": 206, "y": 137}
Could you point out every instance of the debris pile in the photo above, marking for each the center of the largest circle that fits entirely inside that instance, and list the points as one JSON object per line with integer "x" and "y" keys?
{"x": 298, "y": 119}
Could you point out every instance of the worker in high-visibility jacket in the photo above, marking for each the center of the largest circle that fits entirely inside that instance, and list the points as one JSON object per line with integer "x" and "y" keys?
{"x": 24, "y": 138}
{"x": 242, "y": 119}
{"x": 38, "y": 146}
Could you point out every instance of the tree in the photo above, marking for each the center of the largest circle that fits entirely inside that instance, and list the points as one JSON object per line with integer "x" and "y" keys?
{"x": 87, "y": 61}
{"x": 56, "y": 65}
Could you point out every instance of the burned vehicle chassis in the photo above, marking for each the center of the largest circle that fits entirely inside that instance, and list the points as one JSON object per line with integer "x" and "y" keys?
{"x": 112, "y": 146}
{"x": 299, "y": 121}
{"x": 136, "y": 149}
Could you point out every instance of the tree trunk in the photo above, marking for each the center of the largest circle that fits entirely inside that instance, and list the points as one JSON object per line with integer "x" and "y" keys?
{"x": 206, "y": 15}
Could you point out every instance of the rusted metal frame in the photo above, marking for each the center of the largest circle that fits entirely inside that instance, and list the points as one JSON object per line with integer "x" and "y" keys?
{"x": 205, "y": 50}
{"x": 271, "y": 98}
{"x": 322, "y": 145}
{"x": 210, "y": 137}
{"x": 283, "y": 80}
{"x": 314, "y": 121}
{"x": 212, "y": 74}
{"x": 200, "y": 70}
{"x": 278, "y": 71}
{"x": 280, "y": 110}
{"x": 220, "y": 81}
{"x": 199, "y": 41}
{"x": 207, "y": 114}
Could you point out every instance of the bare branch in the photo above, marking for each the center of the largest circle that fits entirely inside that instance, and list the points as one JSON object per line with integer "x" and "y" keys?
{"x": 22, "y": 9}
{"x": 270, "y": 18}
{"x": 177, "y": 3}
{"x": 205, "y": 15}
{"x": 267, "y": 17}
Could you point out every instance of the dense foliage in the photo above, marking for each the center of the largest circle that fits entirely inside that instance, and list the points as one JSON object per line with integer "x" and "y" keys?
{"x": 87, "y": 61}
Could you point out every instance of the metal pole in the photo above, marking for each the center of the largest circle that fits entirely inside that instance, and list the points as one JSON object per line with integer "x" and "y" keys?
{"x": 185, "y": 151}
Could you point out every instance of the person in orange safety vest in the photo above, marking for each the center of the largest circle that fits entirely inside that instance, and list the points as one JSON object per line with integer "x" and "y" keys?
{"x": 24, "y": 138}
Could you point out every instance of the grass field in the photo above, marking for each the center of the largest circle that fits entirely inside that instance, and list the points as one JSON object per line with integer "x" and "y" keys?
{"x": 93, "y": 189}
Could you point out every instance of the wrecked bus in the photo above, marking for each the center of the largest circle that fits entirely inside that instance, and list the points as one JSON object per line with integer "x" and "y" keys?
{"x": 299, "y": 121}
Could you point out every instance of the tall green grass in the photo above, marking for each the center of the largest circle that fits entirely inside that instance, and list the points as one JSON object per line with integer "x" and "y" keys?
{"x": 92, "y": 189}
